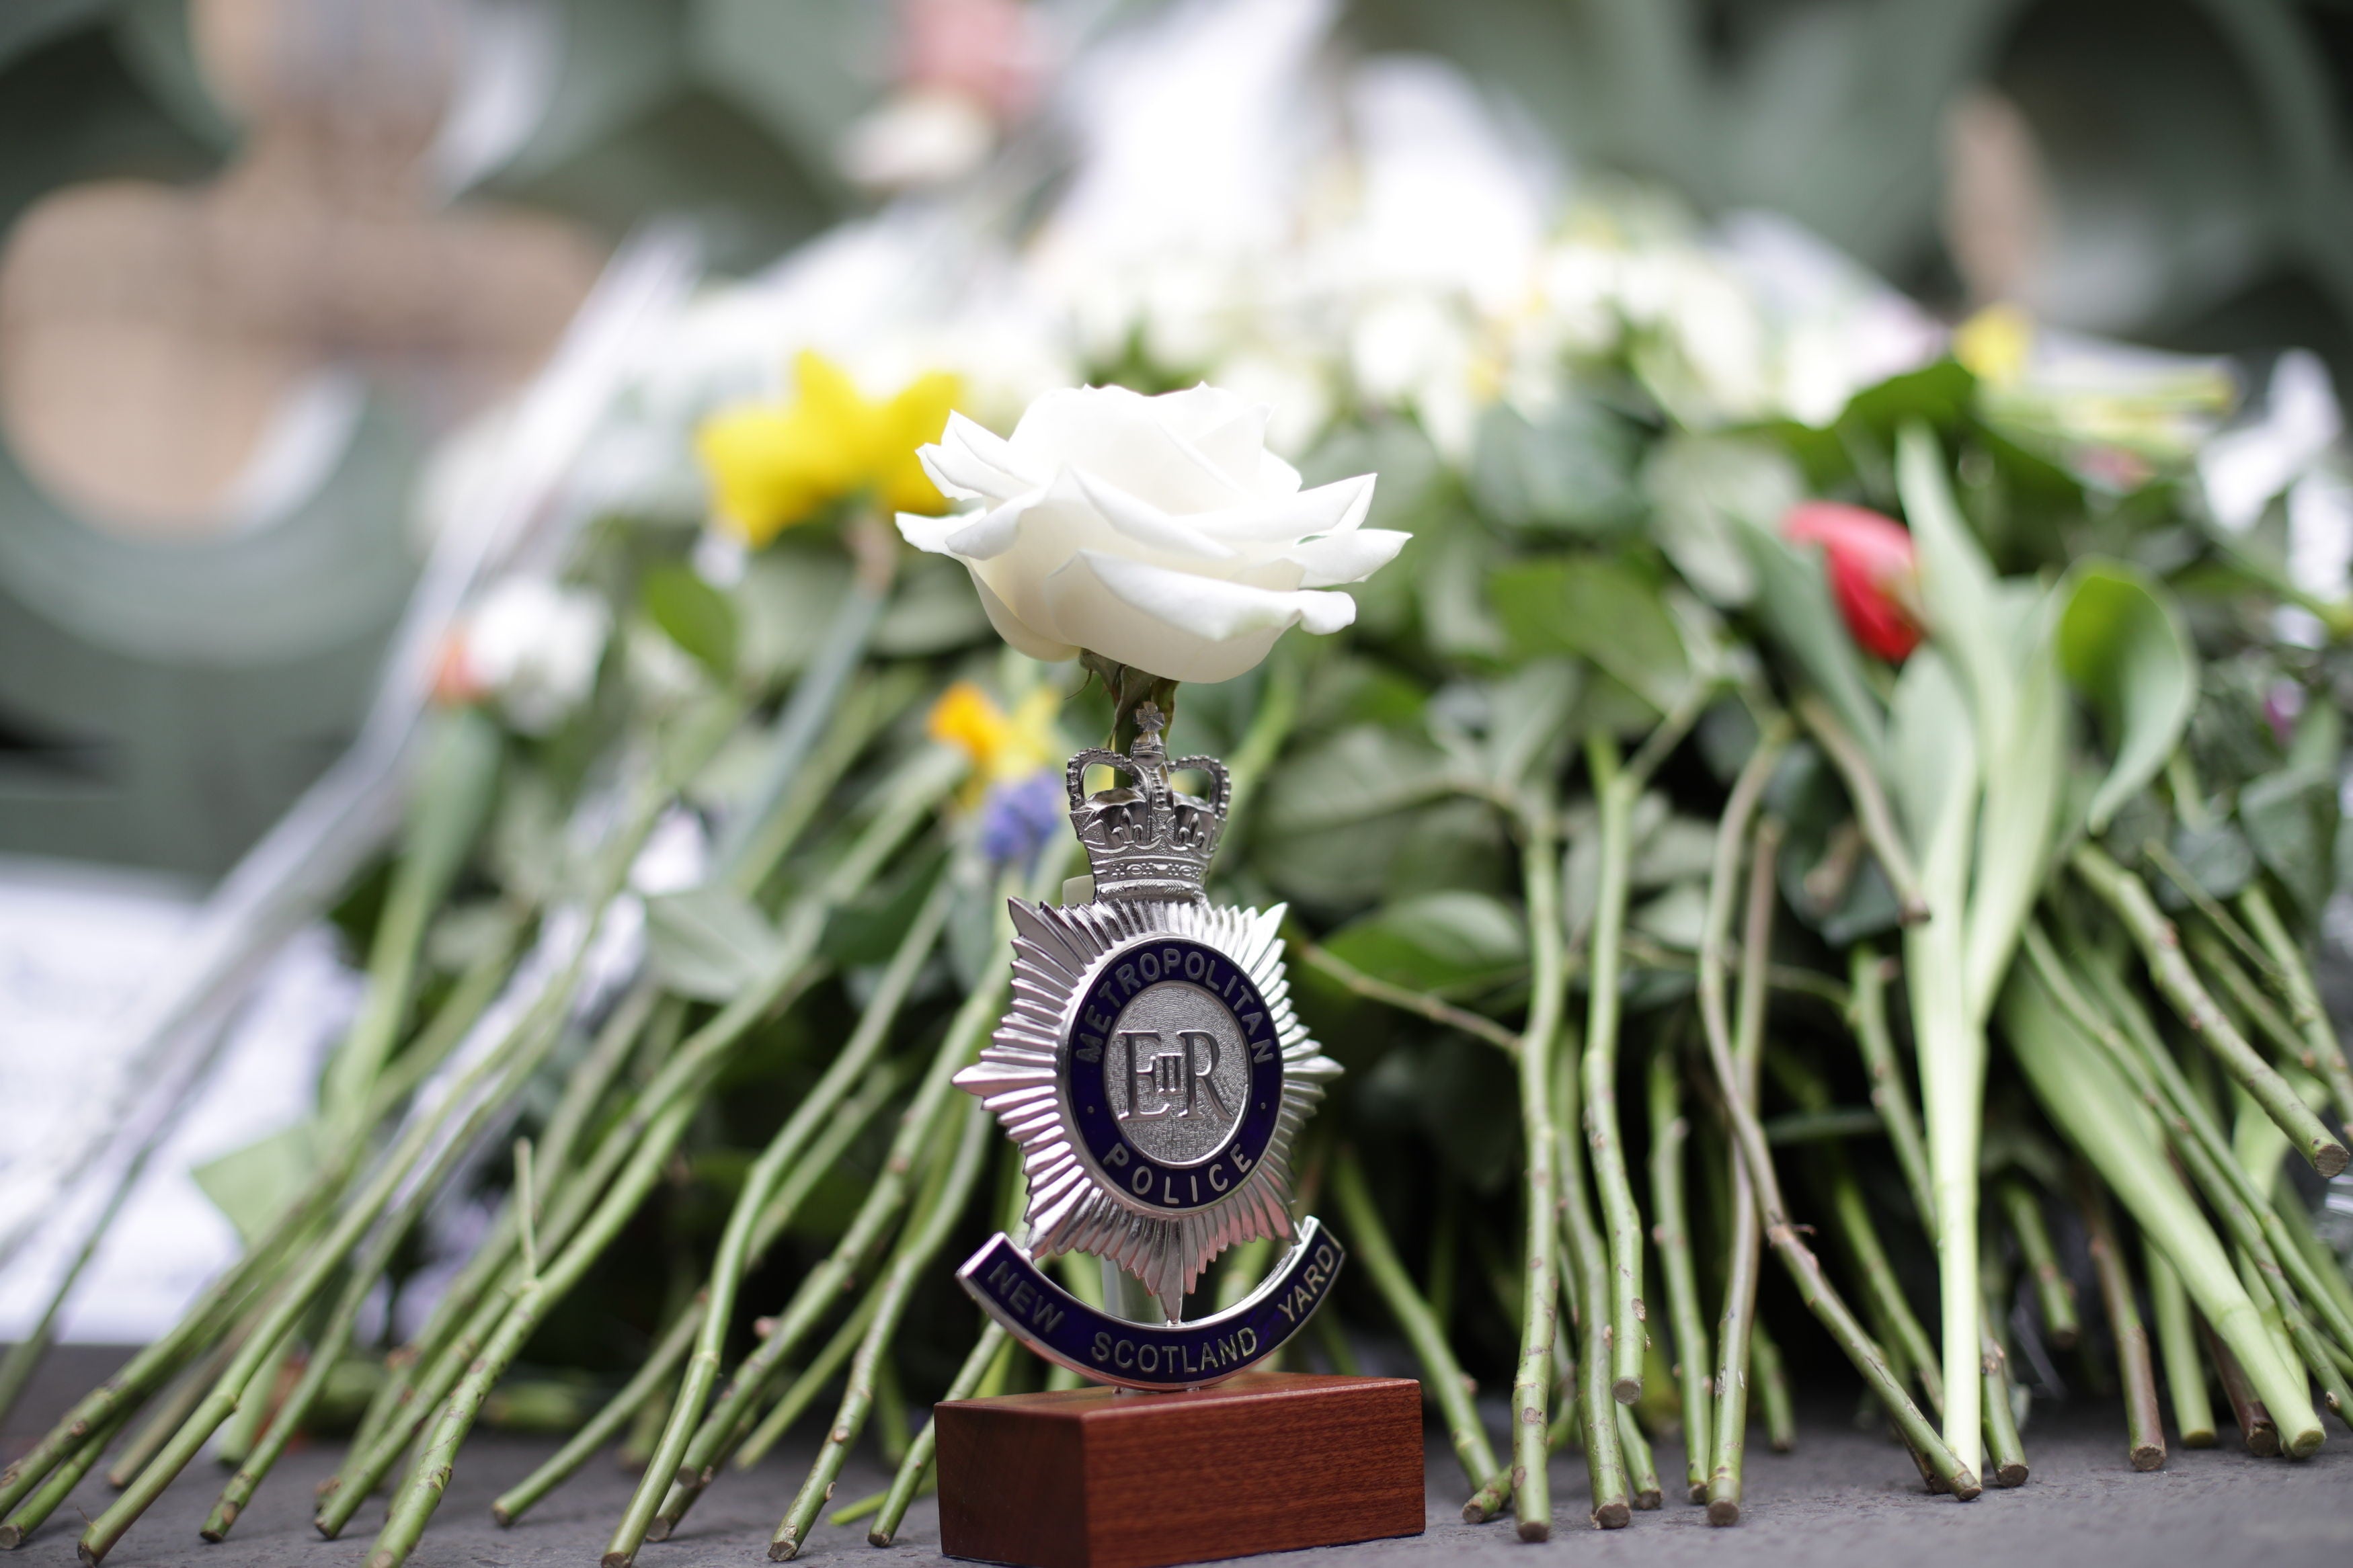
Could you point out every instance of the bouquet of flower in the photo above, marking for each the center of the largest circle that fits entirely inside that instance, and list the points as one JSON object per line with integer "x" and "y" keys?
{"x": 1637, "y": 747}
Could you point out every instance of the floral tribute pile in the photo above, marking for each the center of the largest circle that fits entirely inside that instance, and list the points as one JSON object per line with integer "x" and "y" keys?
{"x": 1755, "y": 772}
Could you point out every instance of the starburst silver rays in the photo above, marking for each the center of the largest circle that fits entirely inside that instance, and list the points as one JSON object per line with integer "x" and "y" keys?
{"x": 1157, "y": 1079}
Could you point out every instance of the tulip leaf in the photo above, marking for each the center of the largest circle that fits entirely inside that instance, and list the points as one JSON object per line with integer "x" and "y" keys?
{"x": 1440, "y": 942}
{"x": 694, "y": 615}
{"x": 708, "y": 942}
{"x": 2122, "y": 646}
{"x": 1599, "y": 609}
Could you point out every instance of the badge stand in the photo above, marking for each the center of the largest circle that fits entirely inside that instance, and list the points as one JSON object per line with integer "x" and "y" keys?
{"x": 1154, "y": 1075}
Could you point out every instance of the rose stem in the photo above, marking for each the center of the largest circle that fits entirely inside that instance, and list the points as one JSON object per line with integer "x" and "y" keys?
{"x": 665, "y": 1358}
{"x": 1641, "y": 1469}
{"x": 29, "y": 1515}
{"x": 2089, "y": 1099}
{"x": 2303, "y": 995}
{"x": 732, "y": 1415}
{"x": 2186, "y": 883}
{"x": 2144, "y": 1428}
{"x": 1419, "y": 1003}
{"x": 917, "y": 1465}
{"x": 2320, "y": 1268}
{"x": 2256, "y": 1428}
{"x": 2160, "y": 949}
{"x": 1772, "y": 1389}
{"x": 1669, "y": 1133}
{"x": 1903, "y": 1338}
{"x": 1729, "y": 1423}
{"x": 2254, "y": 1224}
{"x": 2053, "y": 1291}
{"x": 1615, "y": 790}
{"x": 1870, "y": 807}
{"x": 2216, "y": 959}
{"x": 1532, "y": 1381}
{"x": 2177, "y": 1341}
{"x": 1588, "y": 1259}
{"x": 1890, "y": 1095}
{"x": 2004, "y": 1451}
{"x": 502, "y": 1071}
{"x": 806, "y": 1388}
{"x": 1736, "y": 1082}
{"x": 948, "y": 1193}
{"x": 734, "y": 1246}
{"x": 1442, "y": 1378}
{"x": 178, "y": 1400}
{"x": 327, "y": 1347}
{"x": 470, "y": 1311}
{"x": 416, "y": 1498}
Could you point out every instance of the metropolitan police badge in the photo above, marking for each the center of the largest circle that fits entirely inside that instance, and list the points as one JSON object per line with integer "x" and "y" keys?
{"x": 1154, "y": 1075}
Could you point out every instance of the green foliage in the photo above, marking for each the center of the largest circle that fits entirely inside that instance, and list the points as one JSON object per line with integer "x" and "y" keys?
{"x": 2122, "y": 645}
{"x": 694, "y": 615}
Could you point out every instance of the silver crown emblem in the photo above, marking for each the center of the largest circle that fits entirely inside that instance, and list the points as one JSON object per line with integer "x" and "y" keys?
{"x": 1148, "y": 841}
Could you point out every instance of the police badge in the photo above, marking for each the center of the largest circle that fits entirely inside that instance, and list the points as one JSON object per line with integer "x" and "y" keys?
{"x": 1156, "y": 1076}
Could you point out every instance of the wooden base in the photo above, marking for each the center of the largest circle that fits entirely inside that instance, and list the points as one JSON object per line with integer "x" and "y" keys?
{"x": 1092, "y": 1478}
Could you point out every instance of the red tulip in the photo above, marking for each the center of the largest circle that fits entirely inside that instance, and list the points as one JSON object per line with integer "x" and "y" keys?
{"x": 1871, "y": 572}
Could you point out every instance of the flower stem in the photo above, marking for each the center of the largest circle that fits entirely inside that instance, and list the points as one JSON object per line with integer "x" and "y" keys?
{"x": 734, "y": 1246}
{"x": 30, "y": 1514}
{"x": 2054, "y": 1293}
{"x": 909, "y": 1479}
{"x": 2176, "y": 1342}
{"x": 1616, "y": 790}
{"x": 1871, "y": 805}
{"x": 1419, "y": 1003}
{"x": 2161, "y": 950}
{"x": 1641, "y": 1469}
{"x": 1890, "y": 1095}
{"x": 2144, "y": 1428}
{"x": 1772, "y": 1389}
{"x": 1532, "y": 1382}
{"x": 2257, "y": 1430}
{"x": 948, "y": 1194}
{"x": 661, "y": 1363}
{"x": 1672, "y": 1230}
{"x": 1587, "y": 1259}
{"x": 812, "y": 1382}
{"x": 1442, "y": 1379}
{"x": 2303, "y": 995}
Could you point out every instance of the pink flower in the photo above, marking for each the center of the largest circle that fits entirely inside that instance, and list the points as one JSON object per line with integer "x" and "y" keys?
{"x": 1872, "y": 572}
{"x": 989, "y": 50}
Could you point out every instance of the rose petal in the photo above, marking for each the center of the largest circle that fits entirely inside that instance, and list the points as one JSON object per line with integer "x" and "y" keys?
{"x": 1210, "y": 606}
{"x": 1145, "y": 523}
{"x": 1021, "y": 637}
{"x": 1337, "y": 508}
{"x": 1163, "y": 639}
{"x": 1112, "y": 433}
{"x": 970, "y": 459}
{"x": 1347, "y": 557}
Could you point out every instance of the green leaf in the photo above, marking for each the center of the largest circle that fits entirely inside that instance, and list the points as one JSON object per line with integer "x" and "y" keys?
{"x": 708, "y": 942}
{"x": 1677, "y": 916}
{"x": 1571, "y": 473}
{"x": 2123, "y": 647}
{"x": 1439, "y": 942}
{"x": 252, "y": 1185}
{"x": 2217, "y": 859}
{"x": 694, "y": 615}
{"x": 2290, "y": 817}
{"x": 1361, "y": 773}
{"x": 1705, "y": 491}
{"x": 1598, "y": 608}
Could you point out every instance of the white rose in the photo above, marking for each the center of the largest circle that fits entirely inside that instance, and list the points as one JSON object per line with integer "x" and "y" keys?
{"x": 1156, "y": 532}
{"x": 535, "y": 646}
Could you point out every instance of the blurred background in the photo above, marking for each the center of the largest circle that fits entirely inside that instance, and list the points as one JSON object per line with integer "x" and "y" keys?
{"x": 274, "y": 274}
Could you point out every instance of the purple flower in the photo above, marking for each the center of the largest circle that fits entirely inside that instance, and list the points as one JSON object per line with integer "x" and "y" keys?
{"x": 1017, "y": 816}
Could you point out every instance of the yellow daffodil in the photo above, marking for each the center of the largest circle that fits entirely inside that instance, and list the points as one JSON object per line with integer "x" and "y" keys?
{"x": 1002, "y": 745}
{"x": 775, "y": 464}
{"x": 1995, "y": 345}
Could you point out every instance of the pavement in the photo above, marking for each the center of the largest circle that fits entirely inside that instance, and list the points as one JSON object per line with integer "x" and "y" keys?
{"x": 1841, "y": 1500}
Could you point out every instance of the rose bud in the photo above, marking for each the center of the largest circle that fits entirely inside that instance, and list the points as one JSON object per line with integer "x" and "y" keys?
{"x": 1871, "y": 569}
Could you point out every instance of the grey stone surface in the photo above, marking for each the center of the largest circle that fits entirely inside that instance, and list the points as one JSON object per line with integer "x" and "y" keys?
{"x": 1844, "y": 1499}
